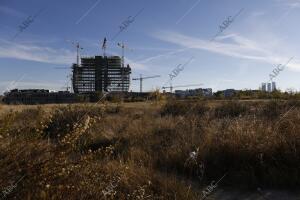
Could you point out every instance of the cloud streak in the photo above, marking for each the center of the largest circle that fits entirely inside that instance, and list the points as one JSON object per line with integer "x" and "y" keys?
{"x": 36, "y": 53}
{"x": 231, "y": 45}
{"x": 11, "y": 12}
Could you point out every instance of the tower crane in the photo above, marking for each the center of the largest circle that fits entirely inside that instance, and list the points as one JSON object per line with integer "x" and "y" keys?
{"x": 123, "y": 53}
{"x": 143, "y": 78}
{"x": 123, "y": 46}
{"x": 78, "y": 48}
{"x": 69, "y": 77}
{"x": 67, "y": 86}
{"x": 179, "y": 86}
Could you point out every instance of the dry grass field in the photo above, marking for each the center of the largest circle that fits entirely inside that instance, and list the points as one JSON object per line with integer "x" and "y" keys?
{"x": 154, "y": 150}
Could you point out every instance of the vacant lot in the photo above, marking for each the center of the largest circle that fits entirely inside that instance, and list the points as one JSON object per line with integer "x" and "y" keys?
{"x": 170, "y": 150}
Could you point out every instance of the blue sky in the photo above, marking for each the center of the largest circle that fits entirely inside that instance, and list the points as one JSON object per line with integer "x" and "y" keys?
{"x": 165, "y": 34}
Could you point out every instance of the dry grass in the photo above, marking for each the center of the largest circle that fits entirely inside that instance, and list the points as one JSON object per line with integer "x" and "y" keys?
{"x": 120, "y": 151}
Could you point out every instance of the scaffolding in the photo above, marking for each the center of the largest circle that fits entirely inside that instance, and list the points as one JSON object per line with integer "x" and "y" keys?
{"x": 99, "y": 74}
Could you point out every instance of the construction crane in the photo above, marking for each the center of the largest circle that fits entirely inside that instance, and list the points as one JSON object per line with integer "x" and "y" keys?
{"x": 78, "y": 48}
{"x": 122, "y": 45}
{"x": 68, "y": 83}
{"x": 178, "y": 86}
{"x": 69, "y": 77}
{"x": 123, "y": 53}
{"x": 143, "y": 78}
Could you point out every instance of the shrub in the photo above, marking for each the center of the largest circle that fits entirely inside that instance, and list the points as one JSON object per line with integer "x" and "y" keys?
{"x": 176, "y": 108}
{"x": 65, "y": 119}
{"x": 134, "y": 153}
{"x": 273, "y": 109}
{"x": 231, "y": 109}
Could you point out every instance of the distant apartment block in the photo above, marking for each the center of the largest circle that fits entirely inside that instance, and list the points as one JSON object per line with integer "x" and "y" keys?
{"x": 229, "y": 92}
{"x": 205, "y": 92}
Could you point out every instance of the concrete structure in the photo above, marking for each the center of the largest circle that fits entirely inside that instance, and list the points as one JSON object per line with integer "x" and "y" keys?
{"x": 99, "y": 74}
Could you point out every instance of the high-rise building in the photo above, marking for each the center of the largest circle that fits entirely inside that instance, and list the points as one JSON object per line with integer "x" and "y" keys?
{"x": 264, "y": 87}
{"x": 274, "y": 86}
{"x": 98, "y": 74}
{"x": 269, "y": 89}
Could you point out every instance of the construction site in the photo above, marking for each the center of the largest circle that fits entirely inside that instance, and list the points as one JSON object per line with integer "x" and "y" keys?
{"x": 91, "y": 78}
{"x": 95, "y": 75}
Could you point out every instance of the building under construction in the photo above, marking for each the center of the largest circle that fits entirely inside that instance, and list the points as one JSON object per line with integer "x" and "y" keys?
{"x": 99, "y": 74}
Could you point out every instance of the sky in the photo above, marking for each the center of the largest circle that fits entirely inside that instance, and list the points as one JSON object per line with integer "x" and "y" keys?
{"x": 164, "y": 35}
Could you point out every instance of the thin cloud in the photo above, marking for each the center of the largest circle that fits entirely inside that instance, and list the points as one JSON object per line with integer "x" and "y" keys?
{"x": 36, "y": 53}
{"x": 11, "y": 12}
{"x": 165, "y": 55}
{"x": 292, "y": 3}
{"x": 235, "y": 46}
{"x": 44, "y": 54}
{"x": 258, "y": 14}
